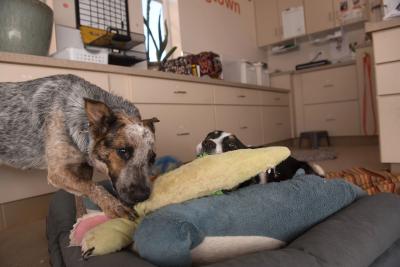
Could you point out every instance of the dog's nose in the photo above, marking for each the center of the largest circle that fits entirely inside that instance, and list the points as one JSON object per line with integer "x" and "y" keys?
{"x": 208, "y": 145}
{"x": 135, "y": 195}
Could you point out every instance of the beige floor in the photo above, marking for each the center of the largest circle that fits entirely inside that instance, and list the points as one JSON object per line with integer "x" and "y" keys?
{"x": 26, "y": 245}
{"x": 354, "y": 156}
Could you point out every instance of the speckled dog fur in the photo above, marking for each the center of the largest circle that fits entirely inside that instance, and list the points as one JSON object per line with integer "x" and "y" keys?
{"x": 69, "y": 126}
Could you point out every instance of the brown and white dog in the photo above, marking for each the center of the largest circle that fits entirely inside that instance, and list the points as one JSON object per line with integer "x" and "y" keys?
{"x": 220, "y": 141}
{"x": 70, "y": 127}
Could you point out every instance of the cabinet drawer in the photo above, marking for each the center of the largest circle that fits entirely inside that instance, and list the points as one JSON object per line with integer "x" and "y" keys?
{"x": 389, "y": 123}
{"x": 19, "y": 73}
{"x": 339, "y": 119}
{"x": 245, "y": 122}
{"x": 276, "y": 124}
{"x": 386, "y": 45}
{"x": 121, "y": 85}
{"x": 152, "y": 90}
{"x": 388, "y": 78}
{"x": 275, "y": 99}
{"x": 330, "y": 85}
{"x": 180, "y": 129}
{"x": 236, "y": 96}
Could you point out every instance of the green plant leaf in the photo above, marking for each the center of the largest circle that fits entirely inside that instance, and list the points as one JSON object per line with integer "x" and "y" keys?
{"x": 170, "y": 52}
{"x": 164, "y": 42}
{"x": 146, "y": 22}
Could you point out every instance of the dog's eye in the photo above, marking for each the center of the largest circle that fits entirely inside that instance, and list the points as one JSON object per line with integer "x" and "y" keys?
{"x": 125, "y": 153}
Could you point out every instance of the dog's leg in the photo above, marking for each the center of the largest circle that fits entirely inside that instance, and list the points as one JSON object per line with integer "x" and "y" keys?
{"x": 263, "y": 177}
{"x": 68, "y": 169}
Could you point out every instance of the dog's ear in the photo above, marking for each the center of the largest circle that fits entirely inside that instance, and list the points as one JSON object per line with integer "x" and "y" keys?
{"x": 149, "y": 123}
{"x": 98, "y": 113}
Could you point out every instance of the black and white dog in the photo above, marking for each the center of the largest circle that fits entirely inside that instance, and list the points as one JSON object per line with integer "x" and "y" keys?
{"x": 219, "y": 142}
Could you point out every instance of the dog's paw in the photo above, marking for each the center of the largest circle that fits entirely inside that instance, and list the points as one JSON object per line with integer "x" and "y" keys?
{"x": 119, "y": 210}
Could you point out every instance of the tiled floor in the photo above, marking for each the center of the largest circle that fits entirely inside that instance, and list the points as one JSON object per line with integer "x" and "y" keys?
{"x": 27, "y": 246}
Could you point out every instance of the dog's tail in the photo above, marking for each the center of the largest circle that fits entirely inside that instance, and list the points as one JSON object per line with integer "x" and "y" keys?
{"x": 317, "y": 169}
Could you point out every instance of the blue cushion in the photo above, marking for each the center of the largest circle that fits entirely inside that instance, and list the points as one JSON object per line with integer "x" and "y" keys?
{"x": 280, "y": 211}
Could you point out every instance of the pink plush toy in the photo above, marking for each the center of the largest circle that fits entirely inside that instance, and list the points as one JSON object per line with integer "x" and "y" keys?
{"x": 84, "y": 224}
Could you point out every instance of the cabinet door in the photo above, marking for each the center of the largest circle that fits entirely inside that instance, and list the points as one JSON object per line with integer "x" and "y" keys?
{"x": 275, "y": 99}
{"x": 243, "y": 121}
{"x": 180, "y": 129}
{"x": 389, "y": 128}
{"x": 121, "y": 85}
{"x": 267, "y": 22}
{"x": 236, "y": 96}
{"x": 339, "y": 119}
{"x": 319, "y": 15}
{"x": 337, "y": 84}
{"x": 152, "y": 90}
{"x": 276, "y": 124}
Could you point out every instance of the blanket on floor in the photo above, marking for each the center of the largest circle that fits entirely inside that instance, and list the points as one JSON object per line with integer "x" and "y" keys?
{"x": 371, "y": 181}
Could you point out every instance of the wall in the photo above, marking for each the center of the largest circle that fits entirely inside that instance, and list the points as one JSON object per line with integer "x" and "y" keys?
{"x": 226, "y": 27}
{"x": 307, "y": 50}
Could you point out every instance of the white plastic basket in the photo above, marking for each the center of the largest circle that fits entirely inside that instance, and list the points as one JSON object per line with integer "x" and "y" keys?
{"x": 78, "y": 54}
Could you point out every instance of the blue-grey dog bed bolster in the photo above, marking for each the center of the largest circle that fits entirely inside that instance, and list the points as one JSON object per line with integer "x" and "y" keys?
{"x": 281, "y": 211}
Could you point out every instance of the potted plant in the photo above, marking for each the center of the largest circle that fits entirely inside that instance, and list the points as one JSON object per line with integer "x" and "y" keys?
{"x": 161, "y": 45}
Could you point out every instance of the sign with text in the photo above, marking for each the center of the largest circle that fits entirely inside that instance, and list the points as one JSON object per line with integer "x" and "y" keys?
{"x": 229, "y": 4}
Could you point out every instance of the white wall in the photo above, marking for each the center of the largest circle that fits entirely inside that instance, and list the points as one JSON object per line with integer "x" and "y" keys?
{"x": 226, "y": 27}
{"x": 307, "y": 50}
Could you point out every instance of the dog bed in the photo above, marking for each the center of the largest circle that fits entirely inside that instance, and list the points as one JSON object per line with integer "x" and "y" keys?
{"x": 363, "y": 234}
{"x": 255, "y": 218}
{"x": 258, "y": 217}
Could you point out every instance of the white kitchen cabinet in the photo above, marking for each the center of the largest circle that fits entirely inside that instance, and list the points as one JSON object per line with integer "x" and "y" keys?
{"x": 151, "y": 90}
{"x": 319, "y": 15}
{"x": 236, "y": 96}
{"x": 276, "y": 124}
{"x": 328, "y": 99}
{"x": 336, "y": 84}
{"x": 339, "y": 119}
{"x": 181, "y": 127}
{"x": 268, "y": 22}
{"x": 121, "y": 85}
{"x": 243, "y": 121}
{"x": 389, "y": 123}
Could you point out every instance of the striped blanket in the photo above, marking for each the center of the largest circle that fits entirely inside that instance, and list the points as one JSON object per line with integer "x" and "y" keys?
{"x": 372, "y": 182}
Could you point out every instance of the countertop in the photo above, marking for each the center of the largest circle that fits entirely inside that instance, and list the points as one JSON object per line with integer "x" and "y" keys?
{"x": 26, "y": 59}
{"x": 371, "y": 27}
{"x": 330, "y": 66}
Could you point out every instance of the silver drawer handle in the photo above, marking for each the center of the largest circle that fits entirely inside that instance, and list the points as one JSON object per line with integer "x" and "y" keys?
{"x": 277, "y": 99}
{"x": 183, "y": 134}
{"x": 279, "y": 124}
{"x": 180, "y": 92}
{"x": 328, "y": 85}
{"x": 244, "y": 128}
{"x": 330, "y": 119}
{"x": 241, "y": 96}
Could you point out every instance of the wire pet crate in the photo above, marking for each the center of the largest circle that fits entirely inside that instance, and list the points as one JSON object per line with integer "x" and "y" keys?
{"x": 104, "y": 23}
{"x": 103, "y": 14}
